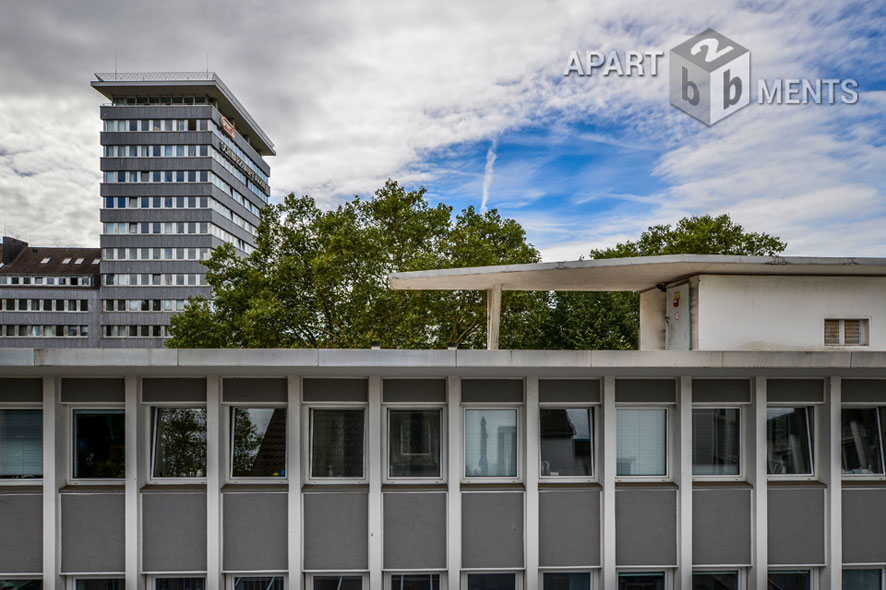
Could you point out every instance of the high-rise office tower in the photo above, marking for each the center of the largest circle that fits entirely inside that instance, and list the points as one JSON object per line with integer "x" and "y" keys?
{"x": 183, "y": 172}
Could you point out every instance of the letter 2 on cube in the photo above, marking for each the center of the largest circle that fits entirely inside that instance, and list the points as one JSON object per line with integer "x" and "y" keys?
{"x": 710, "y": 76}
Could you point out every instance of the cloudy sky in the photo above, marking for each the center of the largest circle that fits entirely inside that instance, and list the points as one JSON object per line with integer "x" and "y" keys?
{"x": 469, "y": 100}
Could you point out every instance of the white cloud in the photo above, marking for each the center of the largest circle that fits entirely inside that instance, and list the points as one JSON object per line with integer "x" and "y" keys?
{"x": 353, "y": 93}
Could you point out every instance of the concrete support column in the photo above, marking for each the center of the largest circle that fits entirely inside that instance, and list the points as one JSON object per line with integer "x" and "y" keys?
{"x": 532, "y": 474}
{"x": 133, "y": 482}
{"x": 832, "y": 476}
{"x": 607, "y": 477}
{"x": 214, "y": 479}
{"x": 453, "y": 532}
{"x": 756, "y": 430}
{"x": 375, "y": 475}
{"x": 683, "y": 473}
{"x": 53, "y": 479}
{"x": 493, "y": 316}
{"x": 293, "y": 474}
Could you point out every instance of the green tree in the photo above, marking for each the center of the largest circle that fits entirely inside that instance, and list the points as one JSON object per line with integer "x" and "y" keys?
{"x": 319, "y": 279}
{"x": 591, "y": 320}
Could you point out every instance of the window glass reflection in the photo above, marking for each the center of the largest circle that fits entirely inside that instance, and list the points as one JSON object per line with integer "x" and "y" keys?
{"x": 641, "y": 581}
{"x": 259, "y": 583}
{"x": 789, "y": 441}
{"x": 862, "y": 579}
{"x": 259, "y": 442}
{"x": 715, "y": 581}
{"x": 338, "y": 582}
{"x": 21, "y": 584}
{"x": 180, "y": 584}
{"x": 567, "y": 581}
{"x": 715, "y": 441}
{"x": 490, "y": 443}
{"x": 415, "y": 582}
{"x": 862, "y": 440}
{"x": 179, "y": 446}
{"x": 100, "y": 584}
{"x": 99, "y": 442}
{"x": 492, "y": 581}
{"x": 336, "y": 443}
{"x": 565, "y": 442}
{"x": 790, "y": 580}
{"x": 414, "y": 443}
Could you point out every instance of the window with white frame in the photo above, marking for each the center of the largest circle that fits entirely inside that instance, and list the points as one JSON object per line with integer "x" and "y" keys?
{"x": 566, "y": 580}
{"x": 98, "y": 584}
{"x": 863, "y": 579}
{"x": 336, "y": 582}
{"x": 179, "y": 445}
{"x": 99, "y": 444}
{"x": 414, "y": 443}
{"x": 174, "y": 583}
{"x": 716, "y": 580}
{"x": 566, "y": 442}
{"x": 789, "y": 580}
{"x": 492, "y": 581}
{"x": 641, "y": 442}
{"x": 258, "y": 442}
{"x": 21, "y": 443}
{"x": 491, "y": 442}
{"x": 861, "y": 440}
{"x": 789, "y": 438}
{"x": 716, "y": 441}
{"x": 413, "y": 581}
{"x": 256, "y": 583}
{"x": 642, "y": 580}
{"x": 337, "y": 443}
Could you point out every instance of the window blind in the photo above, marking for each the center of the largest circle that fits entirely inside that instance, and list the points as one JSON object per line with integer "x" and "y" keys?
{"x": 21, "y": 443}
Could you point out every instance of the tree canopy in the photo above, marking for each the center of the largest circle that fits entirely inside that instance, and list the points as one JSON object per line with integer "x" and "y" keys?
{"x": 318, "y": 279}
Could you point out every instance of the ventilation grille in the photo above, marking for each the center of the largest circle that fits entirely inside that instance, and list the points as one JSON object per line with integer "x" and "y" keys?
{"x": 846, "y": 332}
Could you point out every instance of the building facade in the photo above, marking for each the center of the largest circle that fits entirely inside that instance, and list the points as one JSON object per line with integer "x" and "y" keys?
{"x": 748, "y": 467}
{"x": 183, "y": 173}
{"x": 48, "y": 296}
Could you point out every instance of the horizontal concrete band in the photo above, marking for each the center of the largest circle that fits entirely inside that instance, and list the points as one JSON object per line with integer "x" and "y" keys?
{"x": 496, "y": 363}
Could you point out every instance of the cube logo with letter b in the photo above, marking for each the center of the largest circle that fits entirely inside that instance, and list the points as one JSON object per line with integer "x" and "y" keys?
{"x": 710, "y": 76}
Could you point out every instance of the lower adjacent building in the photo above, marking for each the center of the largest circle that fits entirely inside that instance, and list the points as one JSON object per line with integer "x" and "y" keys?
{"x": 504, "y": 470}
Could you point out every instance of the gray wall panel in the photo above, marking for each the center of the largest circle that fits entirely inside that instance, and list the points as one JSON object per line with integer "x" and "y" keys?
{"x": 254, "y": 529}
{"x": 414, "y": 390}
{"x": 414, "y": 530}
{"x": 796, "y": 526}
{"x": 868, "y": 391}
{"x": 492, "y": 390}
{"x": 174, "y": 531}
{"x": 795, "y": 390}
{"x": 335, "y": 390}
{"x": 864, "y": 525}
{"x": 173, "y": 390}
{"x": 645, "y": 391}
{"x": 721, "y": 526}
{"x": 646, "y": 527}
{"x": 93, "y": 532}
{"x": 21, "y": 390}
{"x": 336, "y": 531}
{"x": 721, "y": 390}
{"x": 254, "y": 390}
{"x": 21, "y": 541}
{"x": 492, "y": 529}
{"x": 95, "y": 390}
{"x": 569, "y": 390}
{"x": 569, "y": 528}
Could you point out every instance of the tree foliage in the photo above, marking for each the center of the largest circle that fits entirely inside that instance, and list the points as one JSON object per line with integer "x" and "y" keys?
{"x": 318, "y": 279}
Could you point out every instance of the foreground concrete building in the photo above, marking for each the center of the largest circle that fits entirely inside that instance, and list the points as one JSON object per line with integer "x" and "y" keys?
{"x": 752, "y": 464}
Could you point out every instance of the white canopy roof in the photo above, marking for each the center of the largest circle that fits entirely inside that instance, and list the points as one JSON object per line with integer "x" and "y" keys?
{"x": 627, "y": 274}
